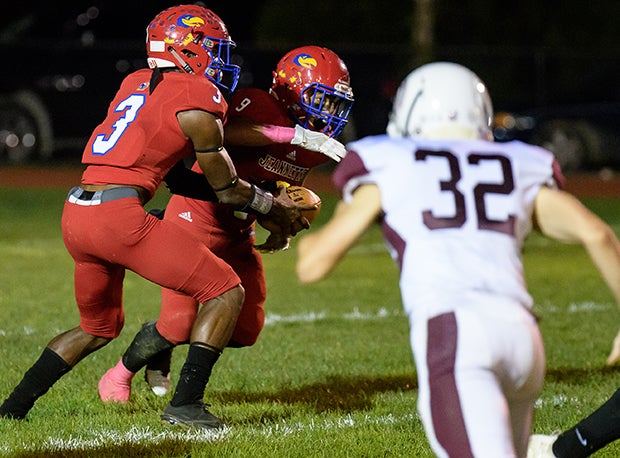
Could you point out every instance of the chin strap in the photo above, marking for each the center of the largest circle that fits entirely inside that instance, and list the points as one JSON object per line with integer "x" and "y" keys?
{"x": 184, "y": 65}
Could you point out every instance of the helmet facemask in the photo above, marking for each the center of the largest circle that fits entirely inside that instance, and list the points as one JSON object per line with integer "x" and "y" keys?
{"x": 323, "y": 109}
{"x": 220, "y": 70}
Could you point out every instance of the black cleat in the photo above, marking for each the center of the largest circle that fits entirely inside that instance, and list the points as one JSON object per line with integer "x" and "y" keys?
{"x": 14, "y": 409}
{"x": 191, "y": 416}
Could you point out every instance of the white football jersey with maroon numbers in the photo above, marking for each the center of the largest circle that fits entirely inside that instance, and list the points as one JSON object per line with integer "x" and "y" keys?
{"x": 456, "y": 214}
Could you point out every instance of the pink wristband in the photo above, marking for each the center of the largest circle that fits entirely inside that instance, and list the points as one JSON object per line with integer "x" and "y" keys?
{"x": 278, "y": 134}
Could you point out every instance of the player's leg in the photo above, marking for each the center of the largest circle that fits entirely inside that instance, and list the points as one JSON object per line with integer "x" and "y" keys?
{"x": 592, "y": 433}
{"x": 152, "y": 347}
{"x": 211, "y": 332}
{"x": 175, "y": 322}
{"x": 171, "y": 257}
{"x": 434, "y": 344}
{"x": 500, "y": 373}
{"x": 522, "y": 374}
{"x": 248, "y": 264}
{"x": 461, "y": 399}
{"x": 178, "y": 311}
{"x": 98, "y": 290}
{"x": 176, "y": 250}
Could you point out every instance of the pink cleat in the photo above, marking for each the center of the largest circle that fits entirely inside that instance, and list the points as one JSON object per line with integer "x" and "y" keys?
{"x": 115, "y": 384}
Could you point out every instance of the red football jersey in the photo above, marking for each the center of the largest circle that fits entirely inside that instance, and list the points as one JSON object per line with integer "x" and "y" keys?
{"x": 230, "y": 234}
{"x": 140, "y": 139}
{"x": 281, "y": 161}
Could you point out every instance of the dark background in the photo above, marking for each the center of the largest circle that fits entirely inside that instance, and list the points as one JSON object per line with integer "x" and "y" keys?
{"x": 70, "y": 56}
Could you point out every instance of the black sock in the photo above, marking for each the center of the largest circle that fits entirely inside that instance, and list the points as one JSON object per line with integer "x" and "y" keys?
{"x": 195, "y": 374}
{"x": 147, "y": 343}
{"x": 36, "y": 382}
{"x": 160, "y": 362}
{"x": 592, "y": 433}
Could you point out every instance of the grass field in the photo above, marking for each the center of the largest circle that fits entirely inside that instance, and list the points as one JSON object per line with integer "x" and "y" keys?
{"x": 331, "y": 375}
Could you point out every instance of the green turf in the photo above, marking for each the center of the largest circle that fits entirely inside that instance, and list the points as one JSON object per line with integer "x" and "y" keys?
{"x": 331, "y": 375}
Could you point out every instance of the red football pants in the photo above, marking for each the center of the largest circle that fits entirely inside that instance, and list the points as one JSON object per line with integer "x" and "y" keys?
{"x": 178, "y": 310}
{"x": 108, "y": 238}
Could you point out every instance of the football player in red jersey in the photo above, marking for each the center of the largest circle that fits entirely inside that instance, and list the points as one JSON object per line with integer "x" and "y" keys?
{"x": 279, "y": 135}
{"x": 160, "y": 115}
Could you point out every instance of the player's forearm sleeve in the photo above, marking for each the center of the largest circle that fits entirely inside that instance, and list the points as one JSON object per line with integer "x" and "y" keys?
{"x": 278, "y": 134}
{"x": 184, "y": 182}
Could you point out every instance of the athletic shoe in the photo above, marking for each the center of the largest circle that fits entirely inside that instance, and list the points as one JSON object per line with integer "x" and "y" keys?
{"x": 540, "y": 446}
{"x": 157, "y": 373}
{"x": 191, "y": 416}
{"x": 115, "y": 384}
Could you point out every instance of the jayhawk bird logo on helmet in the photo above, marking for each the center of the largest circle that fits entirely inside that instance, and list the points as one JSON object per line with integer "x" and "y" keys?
{"x": 305, "y": 60}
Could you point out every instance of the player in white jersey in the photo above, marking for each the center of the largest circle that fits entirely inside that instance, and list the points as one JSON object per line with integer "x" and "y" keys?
{"x": 455, "y": 208}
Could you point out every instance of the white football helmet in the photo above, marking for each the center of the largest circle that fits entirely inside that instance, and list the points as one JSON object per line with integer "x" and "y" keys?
{"x": 441, "y": 100}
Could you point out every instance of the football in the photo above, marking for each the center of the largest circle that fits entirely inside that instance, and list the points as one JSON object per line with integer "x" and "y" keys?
{"x": 304, "y": 196}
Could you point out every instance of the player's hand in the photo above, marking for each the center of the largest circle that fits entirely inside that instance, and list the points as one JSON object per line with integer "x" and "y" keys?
{"x": 277, "y": 239}
{"x": 292, "y": 213}
{"x": 285, "y": 217}
{"x": 319, "y": 142}
{"x": 275, "y": 242}
{"x": 614, "y": 355}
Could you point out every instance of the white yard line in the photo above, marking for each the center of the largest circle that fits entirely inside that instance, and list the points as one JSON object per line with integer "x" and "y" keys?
{"x": 313, "y": 316}
{"x": 147, "y": 436}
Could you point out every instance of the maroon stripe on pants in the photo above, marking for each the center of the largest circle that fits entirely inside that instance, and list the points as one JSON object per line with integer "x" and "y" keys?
{"x": 444, "y": 398}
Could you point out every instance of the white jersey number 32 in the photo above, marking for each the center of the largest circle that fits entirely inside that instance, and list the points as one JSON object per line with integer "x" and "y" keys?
{"x": 460, "y": 215}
